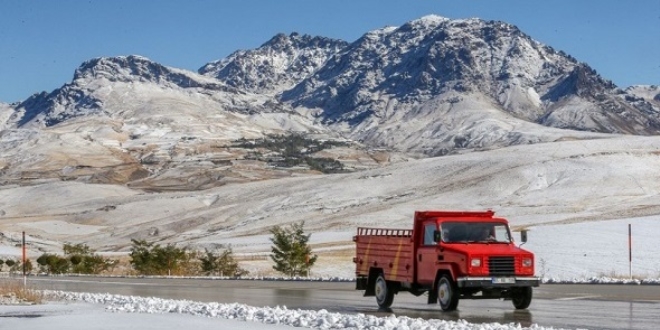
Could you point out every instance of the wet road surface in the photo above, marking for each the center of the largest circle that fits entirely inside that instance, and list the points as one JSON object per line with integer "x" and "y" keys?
{"x": 558, "y": 305}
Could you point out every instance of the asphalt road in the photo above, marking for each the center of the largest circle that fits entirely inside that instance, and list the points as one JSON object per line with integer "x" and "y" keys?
{"x": 570, "y": 306}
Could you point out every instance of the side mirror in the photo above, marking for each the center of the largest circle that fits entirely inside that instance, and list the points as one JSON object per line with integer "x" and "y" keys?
{"x": 523, "y": 236}
{"x": 437, "y": 236}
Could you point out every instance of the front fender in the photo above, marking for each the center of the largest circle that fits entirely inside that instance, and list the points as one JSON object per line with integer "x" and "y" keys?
{"x": 442, "y": 269}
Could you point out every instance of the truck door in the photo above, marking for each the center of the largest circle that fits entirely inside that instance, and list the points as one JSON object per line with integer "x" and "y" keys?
{"x": 428, "y": 254}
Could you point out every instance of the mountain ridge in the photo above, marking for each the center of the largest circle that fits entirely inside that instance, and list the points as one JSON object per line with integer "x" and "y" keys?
{"x": 432, "y": 86}
{"x": 287, "y": 59}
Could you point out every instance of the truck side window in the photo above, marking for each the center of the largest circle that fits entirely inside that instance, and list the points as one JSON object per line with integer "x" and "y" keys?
{"x": 429, "y": 229}
{"x": 502, "y": 233}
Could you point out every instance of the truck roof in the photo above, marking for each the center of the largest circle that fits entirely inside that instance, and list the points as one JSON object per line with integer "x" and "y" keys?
{"x": 459, "y": 215}
{"x": 442, "y": 214}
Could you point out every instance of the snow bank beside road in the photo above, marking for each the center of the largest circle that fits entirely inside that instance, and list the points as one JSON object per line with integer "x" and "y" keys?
{"x": 277, "y": 316}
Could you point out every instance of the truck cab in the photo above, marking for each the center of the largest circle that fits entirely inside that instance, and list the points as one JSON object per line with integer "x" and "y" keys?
{"x": 451, "y": 255}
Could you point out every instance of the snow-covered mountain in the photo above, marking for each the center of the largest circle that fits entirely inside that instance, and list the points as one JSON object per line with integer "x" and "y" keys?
{"x": 648, "y": 93}
{"x": 6, "y": 112}
{"x": 80, "y": 97}
{"x": 277, "y": 65}
{"x": 423, "y": 70}
{"x": 432, "y": 86}
{"x": 129, "y": 120}
{"x": 436, "y": 85}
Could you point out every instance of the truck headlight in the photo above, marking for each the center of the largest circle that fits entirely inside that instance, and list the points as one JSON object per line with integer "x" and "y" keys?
{"x": 527, "y": 262}
{"x": 475, "y": 262}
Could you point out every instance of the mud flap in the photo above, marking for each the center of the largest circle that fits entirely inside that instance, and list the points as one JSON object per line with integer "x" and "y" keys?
{"x": 433, "y": 295}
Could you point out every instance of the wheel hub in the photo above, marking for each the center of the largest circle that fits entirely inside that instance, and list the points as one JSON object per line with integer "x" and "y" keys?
{"x": 442, "y": 294}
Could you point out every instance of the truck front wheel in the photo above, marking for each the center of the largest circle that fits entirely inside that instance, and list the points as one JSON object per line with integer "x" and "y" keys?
{"x": 447, "y": 293}
{"x": 384, "y": 293}
{"x": 521, "y": 297}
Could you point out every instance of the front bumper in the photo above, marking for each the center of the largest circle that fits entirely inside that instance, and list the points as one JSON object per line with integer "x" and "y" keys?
{"x": 497, "y": 282}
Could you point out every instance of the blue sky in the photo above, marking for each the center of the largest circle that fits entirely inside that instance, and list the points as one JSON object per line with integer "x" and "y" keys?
{"x": 42, "y": 42}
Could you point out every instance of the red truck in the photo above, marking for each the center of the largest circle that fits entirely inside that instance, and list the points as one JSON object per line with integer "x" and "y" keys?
{"x": 451, "y": 255}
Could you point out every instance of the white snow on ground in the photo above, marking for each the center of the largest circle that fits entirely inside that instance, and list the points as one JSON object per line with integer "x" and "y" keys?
{"x": 87, "y": 316}
{"x": 582, "y": 251}
{"x": 126, "y": 312}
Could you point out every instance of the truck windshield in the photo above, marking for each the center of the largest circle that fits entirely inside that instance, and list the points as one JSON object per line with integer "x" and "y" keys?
{"x": 464, "y": 232}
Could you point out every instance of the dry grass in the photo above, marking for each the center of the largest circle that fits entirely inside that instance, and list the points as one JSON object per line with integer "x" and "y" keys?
{"x": 614, "y": 275}
{"x": 16, "y": 292}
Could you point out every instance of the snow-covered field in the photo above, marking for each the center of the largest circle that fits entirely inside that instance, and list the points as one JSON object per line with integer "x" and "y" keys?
{"x": 576, "y": 198}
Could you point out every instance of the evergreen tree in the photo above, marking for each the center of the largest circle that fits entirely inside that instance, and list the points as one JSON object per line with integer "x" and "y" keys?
{"x": 290, "y": 251}
{"x": 169, "y": 259}
{"x": 142, "y": 258}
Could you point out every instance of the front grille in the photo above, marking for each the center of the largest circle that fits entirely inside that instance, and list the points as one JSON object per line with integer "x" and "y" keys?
{"x": 501, "y": 266}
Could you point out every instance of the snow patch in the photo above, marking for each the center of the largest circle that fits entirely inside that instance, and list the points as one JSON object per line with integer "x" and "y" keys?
{"x": 270, "y": 316}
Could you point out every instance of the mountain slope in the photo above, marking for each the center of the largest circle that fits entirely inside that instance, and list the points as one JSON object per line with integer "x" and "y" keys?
{"x": 78, "y": 98}
{"x": 532, "y": 185}
{"x": 128, "y": 120}
{"x": 648, "y": 93}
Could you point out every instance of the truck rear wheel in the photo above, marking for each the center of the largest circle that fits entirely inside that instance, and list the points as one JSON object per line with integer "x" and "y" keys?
{"x": 521, "y": 297}
{"x": 384, "y": 292}
{"x": 447, "y": 293}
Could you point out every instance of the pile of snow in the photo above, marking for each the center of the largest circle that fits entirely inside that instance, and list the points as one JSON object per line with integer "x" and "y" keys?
{"x": 603, "y": 280}
{"x": 12, "y": 299}
{"x": 321, "y": 319}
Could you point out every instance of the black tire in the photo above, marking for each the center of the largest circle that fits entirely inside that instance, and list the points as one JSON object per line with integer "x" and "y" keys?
{"x": 447, "y": 293}
{"x": 521, "y": 297}
{"x": 384, "y": 292}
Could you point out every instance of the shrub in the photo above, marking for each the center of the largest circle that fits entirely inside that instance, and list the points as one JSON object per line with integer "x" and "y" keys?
{"x": 224, "y": 264}
{"x": 152, "y": 259}
{"x": 53, "y": 264}
{"x": 325, "y": 165}
{"x": 79, "y": 258}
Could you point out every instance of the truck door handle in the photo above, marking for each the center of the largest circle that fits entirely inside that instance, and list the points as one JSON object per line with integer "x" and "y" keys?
{"x": 419, "y": 257}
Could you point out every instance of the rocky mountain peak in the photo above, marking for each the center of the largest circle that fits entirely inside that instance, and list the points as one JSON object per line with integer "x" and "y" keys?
{"x": 427, "y": 57}
{"x": 431, "y": 20}
{"x": 78, "y": 98}
{"x": 278, "y": 64}
{"x": 282, "y": 42}
{"x": 122, "y": 68}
